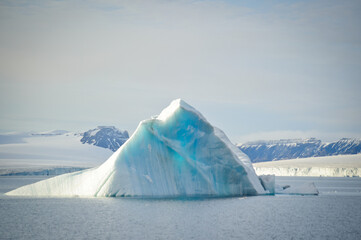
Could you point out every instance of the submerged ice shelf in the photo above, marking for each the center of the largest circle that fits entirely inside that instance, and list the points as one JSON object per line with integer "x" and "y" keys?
{"x": 177, "y": 154}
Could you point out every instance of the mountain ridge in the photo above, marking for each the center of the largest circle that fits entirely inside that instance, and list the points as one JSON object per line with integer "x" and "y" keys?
{"x": 106, "y": 137}
{"x": 272, "y": 150}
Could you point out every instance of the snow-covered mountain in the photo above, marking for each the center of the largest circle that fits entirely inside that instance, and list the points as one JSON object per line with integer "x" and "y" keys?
{"x": 105, "y": 137}
{"x": 58, "y": 151}
{"x": 262, "y": 151}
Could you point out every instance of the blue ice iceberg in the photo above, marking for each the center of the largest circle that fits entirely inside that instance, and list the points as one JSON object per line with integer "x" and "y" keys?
{"x": 176, "y": 154}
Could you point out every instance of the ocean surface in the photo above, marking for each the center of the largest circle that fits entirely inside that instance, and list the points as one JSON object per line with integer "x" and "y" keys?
{"x": 334, "y": 214}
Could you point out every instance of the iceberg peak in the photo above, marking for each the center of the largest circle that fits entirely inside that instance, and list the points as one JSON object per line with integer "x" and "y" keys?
{"x": 176, "y": 105}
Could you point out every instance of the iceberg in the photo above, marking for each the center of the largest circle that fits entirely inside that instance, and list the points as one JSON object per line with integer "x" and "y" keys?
{"x": 268, "y": 183}
{"x": 175, "y": 154}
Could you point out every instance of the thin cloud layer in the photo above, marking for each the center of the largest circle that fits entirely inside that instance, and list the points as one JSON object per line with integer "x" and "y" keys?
{"x": 282, "y": 66}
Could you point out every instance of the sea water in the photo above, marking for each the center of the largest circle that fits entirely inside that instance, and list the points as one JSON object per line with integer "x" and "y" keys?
{"x": 334, "y": 214}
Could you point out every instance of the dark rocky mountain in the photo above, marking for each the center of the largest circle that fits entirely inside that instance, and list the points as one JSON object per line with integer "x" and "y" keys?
{"x": 105, "y": 137}
{"x": 262, "y": 151}
{"x": 258, "y": 151}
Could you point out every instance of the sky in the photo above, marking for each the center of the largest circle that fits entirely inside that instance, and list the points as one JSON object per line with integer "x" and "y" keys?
{"x": 256, "y": 69}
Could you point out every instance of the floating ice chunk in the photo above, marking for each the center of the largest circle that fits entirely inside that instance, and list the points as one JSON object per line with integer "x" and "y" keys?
{"x": 268, "y": 183}
{"x": 177, "y": 154}
{"x": 304, "y": 189}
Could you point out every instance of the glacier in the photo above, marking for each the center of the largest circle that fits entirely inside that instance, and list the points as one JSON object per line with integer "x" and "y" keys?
{"x": 176, "y": 154}
{"x": 327, "y": 166}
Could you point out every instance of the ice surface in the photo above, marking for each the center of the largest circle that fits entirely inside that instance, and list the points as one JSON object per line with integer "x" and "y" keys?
{"x": 45, "y": 171}
{"x": 329, "y": 166}
{"x": 177, "y": 154}
{"x": 42, "y": 151}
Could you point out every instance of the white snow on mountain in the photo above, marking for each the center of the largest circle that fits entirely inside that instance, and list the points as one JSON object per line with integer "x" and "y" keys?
{"x": 105, "y": 137}
{"x": 177, "y": 154}
{"x": 328, "y": 166}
